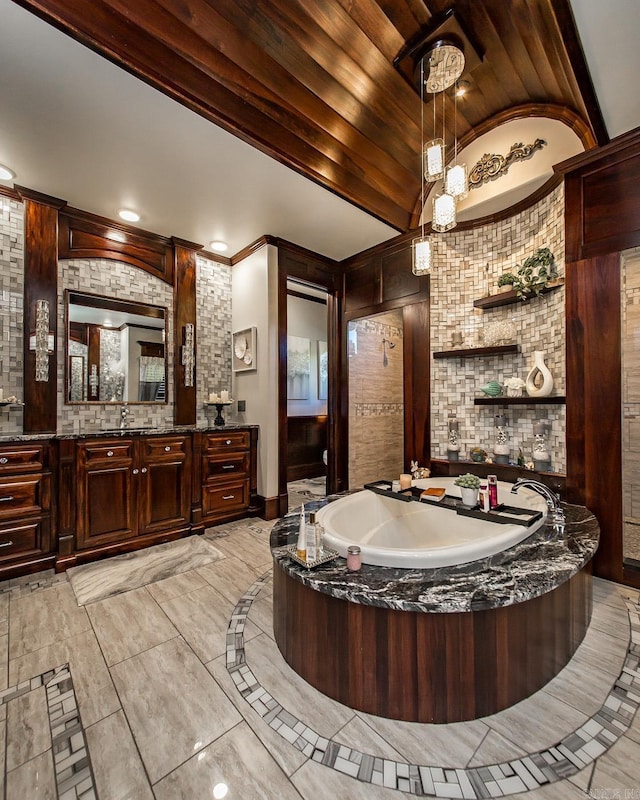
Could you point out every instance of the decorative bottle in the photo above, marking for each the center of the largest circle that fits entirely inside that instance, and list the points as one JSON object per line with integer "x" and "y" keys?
{"x": 301, "y": 547}
{"x": 310, "y": 536}
{"x": 539, "y": 381}
{"x": 501, "y": 447}
{"x": 541, "y": 457}
{"x": 453, "y": 447}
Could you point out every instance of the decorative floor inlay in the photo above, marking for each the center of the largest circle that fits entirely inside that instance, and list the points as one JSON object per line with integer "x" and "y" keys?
{"x": 310, "y": 487}
{"x": 41, "y": 580}
{"x": 573, "y": 753}
{"x": 71, "y": 763}
{"x": 102, "y": 579}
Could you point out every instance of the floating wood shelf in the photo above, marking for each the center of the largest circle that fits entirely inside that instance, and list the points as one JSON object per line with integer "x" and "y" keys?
{"x": 473, "y": 352}
{"x": 558, "y": 399}
{"x": 509, "y": 298}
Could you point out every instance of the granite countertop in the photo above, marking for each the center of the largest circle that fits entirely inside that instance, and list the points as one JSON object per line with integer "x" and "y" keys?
{"x": 529, "y": 569}
{"x": 132, "y": 431}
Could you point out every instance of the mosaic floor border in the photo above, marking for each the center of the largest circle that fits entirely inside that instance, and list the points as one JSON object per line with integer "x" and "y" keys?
{"x": 574, "y": 752}
{"x": 71, "y": 762}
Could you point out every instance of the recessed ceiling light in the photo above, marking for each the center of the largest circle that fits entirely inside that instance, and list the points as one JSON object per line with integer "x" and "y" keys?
{"x": 128, "y": 214}
{"x": 219, "y": 247}
{"x": 462, "y": 88}
{"x": 6, "y": 174}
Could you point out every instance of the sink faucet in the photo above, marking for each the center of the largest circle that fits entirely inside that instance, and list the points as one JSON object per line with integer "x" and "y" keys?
{"x": 553, "y": 499}
{"x": 124, "y": 413}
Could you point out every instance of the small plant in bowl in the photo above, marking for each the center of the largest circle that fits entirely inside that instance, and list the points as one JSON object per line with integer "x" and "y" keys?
{"x": 535, "y": 272}
{"x": 468, "y": 481}
{"x": 507, "y": 281}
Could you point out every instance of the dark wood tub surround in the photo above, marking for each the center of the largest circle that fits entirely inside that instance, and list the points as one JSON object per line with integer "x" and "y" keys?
{"x": 440, "y": 645}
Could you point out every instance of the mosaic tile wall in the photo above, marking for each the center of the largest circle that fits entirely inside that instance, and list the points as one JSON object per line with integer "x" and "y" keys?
{"x": 213, "y": 334}
{"x": 111, "y": 279}
{"x": 467, "y": 266}
{"x": 11, "y": 291}
{"x": 630, "y": 299}
{"x": 376, "y": 401}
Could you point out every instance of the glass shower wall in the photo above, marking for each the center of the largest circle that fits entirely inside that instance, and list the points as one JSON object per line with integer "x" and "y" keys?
{"x": 376, "y": 398}
{"x": 630, "y": 298}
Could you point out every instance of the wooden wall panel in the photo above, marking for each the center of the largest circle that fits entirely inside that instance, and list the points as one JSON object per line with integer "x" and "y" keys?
{"x": 184, "y": 312}
{"x": 41, "y": 283}
{"x": 307, "y": 439}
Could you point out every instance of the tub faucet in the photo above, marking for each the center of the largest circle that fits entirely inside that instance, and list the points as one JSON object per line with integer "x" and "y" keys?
{"x": 124, "y": 414}
{"x": 553, "y": 499}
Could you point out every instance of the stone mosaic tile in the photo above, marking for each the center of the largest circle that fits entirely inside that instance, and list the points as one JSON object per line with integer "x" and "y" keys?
{"x": 11, "y": 309}
{"x": 69, "y": 753}
{"x": 577, "y": 750}
{"x": 467, "y": 266}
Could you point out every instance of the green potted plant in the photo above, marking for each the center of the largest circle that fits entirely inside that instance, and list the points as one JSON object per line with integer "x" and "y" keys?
{"x": 469, "y": 485}
{"x": 535, "y": 273}
{"x": 506, "y": 282}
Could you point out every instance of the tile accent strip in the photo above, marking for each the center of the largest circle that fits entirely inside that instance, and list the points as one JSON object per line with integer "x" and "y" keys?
{"x": 71, "y": 762}
{"x": 564, "y": 759}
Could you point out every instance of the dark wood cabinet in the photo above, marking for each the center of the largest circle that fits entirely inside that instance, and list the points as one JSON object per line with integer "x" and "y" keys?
{"x": 26, "y": 535}
{"x": 226, "y": 475}
{"x": 132, "y": 487}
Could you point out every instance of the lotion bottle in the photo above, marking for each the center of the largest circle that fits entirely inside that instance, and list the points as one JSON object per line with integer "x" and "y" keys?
{"x": 310, "y": 537}
{"x": 301, "y": 547}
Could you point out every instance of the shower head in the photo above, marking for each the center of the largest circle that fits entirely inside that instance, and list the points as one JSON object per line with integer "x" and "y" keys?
{"x": 385, "y": 360}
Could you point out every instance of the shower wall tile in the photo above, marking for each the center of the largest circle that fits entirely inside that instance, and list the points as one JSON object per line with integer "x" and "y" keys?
{"x": 467, "y": 266}
{"x": 376, "y": 398}
{"x": 11, "y": 309}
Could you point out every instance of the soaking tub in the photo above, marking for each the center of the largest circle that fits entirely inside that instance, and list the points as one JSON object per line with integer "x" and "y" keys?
{"x": 393, "y": 533}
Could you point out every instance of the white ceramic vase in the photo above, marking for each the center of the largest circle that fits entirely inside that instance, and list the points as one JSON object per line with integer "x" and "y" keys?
{"x": 539, "y": 381}
{"x": 469, "y": 496}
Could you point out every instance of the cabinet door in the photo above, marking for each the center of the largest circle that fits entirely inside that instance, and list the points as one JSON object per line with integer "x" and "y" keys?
{"x": 165, "y": 483}
{"x": 106, "y": 494}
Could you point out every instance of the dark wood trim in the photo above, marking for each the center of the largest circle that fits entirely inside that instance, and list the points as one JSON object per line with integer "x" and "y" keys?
{"x": 417, "y": 383}
{"x": 453, "y": 666}
{"x": 217, "y": 257}
{"x": 41, "y": 283}
{"x": 251, "y": 248}
{"x": 511, "y": 298}
{"x": 39, "y": 197}
{"x": 84, "y": 235}
{"x": 474, "y": 352}
{"x": 184, "y": 312}
{"x": 310, "y": 297}
{"x": 272, "y": 506}
{"x": 12, "y": 194}
{"x": 442, "y": 468}
{"x": 594, "y": 430}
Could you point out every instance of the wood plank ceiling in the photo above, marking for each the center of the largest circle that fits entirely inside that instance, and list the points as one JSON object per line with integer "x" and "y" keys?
{"x": 312, "y": 82}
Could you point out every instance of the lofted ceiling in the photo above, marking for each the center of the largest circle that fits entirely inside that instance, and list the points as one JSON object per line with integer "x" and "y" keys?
{"x": 310, "y": 83}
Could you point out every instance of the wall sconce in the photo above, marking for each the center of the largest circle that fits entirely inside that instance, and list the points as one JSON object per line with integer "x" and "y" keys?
{"x": 42, "y": 341}
{"x": 188, "y": 353}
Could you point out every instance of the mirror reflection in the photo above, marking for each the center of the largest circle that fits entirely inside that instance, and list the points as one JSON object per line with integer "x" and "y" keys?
{"x": 115, "y": 350}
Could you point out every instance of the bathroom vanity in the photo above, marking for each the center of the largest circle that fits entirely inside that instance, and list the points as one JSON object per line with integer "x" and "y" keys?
{"x": 437, "y": 645}
{"x": 69, "y": 499}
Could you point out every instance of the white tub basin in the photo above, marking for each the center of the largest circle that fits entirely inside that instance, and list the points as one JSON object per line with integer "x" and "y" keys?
{"x": 393, "y": 533}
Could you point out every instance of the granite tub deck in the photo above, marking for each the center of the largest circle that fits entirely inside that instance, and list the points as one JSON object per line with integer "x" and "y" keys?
{"x": 437, "y": 645}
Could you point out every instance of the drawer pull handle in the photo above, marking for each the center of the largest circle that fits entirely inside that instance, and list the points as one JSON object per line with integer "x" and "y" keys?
{"x": 135, "y": 471}
{"x": 228, "y": 496}
{"x": 228, "y": 441}
{"x": 167, "y": 449}
{"x": 109, "y": 453}
{"x": 6, "y": 544}
{"x": 228, "y": 466}
{"x": 143, "y": 470}
{"x": 4, "y": 460}
{"x": 6, "y": 499}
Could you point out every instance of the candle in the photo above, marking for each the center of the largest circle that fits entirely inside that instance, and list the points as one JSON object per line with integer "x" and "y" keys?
{"x": 1, "y": 395}
{"x": 405, "y": 481}
{"x": 213, "y": 397}
{"x": 224, "y": 394}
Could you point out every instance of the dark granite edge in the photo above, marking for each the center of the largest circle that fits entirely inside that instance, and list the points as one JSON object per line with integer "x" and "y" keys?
{"x": 539, "y": 564}
{"x": 7, "y": 438}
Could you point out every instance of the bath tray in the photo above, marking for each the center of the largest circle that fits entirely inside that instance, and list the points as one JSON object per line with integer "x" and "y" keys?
{"x": 327, "y": 555}
{"x": 501, "y": 515}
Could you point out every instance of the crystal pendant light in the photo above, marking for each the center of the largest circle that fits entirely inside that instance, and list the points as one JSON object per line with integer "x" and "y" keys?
{"x": 421, "y": 255}
{"x": 455, "y": 181}
{"x": 444, "y": 213}
{"x": 434, "y": 160}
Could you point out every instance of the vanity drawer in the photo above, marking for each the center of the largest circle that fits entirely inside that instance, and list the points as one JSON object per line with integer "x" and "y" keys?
{"x": 231, "y": 465}
{"x": 21, "y": 459}
{"x": 24, "y": 495}
{"x": 219, "y": 500}
{"x": 107, "y": 451}
{"x": 26, "y": 538}
{"x": 230, "y": 440}
{"x": 166, "y": 447}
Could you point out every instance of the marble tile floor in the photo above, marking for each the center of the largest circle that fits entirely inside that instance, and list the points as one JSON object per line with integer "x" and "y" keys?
{"x": 160, "y": 715}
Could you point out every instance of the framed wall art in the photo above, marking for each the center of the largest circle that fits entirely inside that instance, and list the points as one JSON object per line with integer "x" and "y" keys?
{"x": 243, "y": 345}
